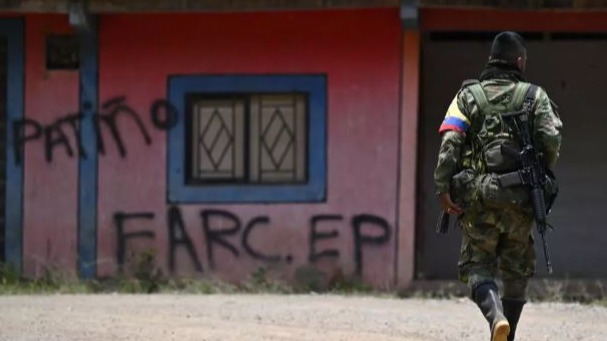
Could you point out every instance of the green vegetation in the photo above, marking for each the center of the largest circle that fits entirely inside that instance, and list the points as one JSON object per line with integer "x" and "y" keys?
{"x": 49, "y": 282}
{"x": 141, "y": 275}
{"x": 142, "y": 283}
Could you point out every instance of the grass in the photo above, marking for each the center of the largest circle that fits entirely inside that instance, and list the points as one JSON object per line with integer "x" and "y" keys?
{"x": 49, "y": 282}
{"x": 130, "y": 285}
{"x": 142, "y": 276}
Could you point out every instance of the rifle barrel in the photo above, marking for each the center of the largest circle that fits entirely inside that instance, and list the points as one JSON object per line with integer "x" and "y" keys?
{"x": 546, "y": 254}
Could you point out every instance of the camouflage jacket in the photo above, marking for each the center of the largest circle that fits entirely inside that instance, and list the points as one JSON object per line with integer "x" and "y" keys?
{"x": 457, "y": 133}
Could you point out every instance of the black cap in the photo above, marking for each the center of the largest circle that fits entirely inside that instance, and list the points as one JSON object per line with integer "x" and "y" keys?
{"x": 508, "y": 46}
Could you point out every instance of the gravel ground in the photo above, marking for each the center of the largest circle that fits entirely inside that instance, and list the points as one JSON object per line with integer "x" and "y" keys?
{"x": 276, "y": 317}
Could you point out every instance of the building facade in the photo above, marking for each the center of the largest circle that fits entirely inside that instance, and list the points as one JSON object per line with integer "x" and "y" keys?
{"x": 295, "y": 136}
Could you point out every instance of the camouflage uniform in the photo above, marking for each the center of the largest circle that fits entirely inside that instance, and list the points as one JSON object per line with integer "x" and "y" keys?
{"x": 497, "y": 222}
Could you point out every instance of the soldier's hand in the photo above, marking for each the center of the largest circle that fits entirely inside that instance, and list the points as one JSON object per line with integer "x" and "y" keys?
{"x": 448, "y": 205}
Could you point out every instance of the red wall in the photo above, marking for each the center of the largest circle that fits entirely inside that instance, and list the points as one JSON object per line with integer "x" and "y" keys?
{"x": 359, "y": 50}
{"x": 50, "y": 189}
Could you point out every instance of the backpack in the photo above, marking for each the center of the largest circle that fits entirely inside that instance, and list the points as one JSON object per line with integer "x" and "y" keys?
{"x": 484, "y": 158}
{"x": 491, "y": 132}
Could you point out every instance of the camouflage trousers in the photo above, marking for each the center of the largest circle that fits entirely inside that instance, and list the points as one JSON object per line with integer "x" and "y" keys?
{"x": 497, "y": 241}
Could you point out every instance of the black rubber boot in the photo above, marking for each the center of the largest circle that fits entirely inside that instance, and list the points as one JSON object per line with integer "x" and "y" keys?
{"x": 487, "y": 299}
{"x": 512, "y": 311}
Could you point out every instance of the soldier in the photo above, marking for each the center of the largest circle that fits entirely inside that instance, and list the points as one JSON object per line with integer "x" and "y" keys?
{"x": 496, "y": 222}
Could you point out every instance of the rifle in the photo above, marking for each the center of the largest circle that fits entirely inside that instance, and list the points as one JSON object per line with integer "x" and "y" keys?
{"x": 457, "y": 182}
{"x": 442, "y": 224}
{"x": 532, "y": 173}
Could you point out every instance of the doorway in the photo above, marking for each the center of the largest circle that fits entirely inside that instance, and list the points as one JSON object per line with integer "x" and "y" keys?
{"x": 569, "y": 67}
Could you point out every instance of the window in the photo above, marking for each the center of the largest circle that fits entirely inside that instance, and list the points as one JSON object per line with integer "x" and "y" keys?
{"x": 62, "y": 52}
{"x": 248, "y": 139}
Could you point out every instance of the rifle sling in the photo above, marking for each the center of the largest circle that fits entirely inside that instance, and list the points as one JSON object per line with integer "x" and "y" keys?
{"x": 515, "y": 178}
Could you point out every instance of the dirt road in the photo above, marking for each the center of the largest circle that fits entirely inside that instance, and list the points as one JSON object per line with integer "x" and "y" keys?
{"x": 274, "y": 317}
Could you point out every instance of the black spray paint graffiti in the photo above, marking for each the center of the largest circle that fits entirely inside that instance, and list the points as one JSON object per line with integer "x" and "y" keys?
{"x": 163, "y": 116}
{"x": 360, "y": 239}
{"x": 368, "y": 231}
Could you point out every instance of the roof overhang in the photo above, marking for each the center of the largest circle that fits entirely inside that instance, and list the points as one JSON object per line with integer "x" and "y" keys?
{"x": 408, "y": 7}
{"x": 121, "y": 6}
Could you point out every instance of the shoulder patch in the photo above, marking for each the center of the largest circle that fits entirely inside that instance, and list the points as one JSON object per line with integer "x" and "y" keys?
{"x": 455, "y": 120}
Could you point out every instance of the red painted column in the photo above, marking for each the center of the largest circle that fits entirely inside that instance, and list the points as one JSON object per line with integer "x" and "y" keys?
{"x": 408, "y": 158}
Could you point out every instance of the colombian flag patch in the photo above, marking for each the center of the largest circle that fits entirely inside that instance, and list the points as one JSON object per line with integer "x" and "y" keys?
{"x": 454, "y": 120}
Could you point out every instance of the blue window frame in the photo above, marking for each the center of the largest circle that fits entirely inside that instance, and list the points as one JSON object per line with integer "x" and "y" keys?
{"x": 180, "y": 88}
